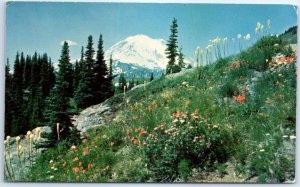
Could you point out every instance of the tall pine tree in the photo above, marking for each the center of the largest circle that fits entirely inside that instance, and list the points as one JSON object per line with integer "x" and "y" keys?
{"x": 171, "y": 50}
{"x": 181, "y": 62}
{"x": 100, "y": 79}
{"x": 58, "y": 103}
{"x": 65, "y": 72}
{"x": 84, "y": 91}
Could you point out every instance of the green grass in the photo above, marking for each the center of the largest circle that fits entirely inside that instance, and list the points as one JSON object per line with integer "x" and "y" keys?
{"x": 179, "y": 122}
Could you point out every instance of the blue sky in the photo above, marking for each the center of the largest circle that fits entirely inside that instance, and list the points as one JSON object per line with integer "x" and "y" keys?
{"x": 41, "y": 27}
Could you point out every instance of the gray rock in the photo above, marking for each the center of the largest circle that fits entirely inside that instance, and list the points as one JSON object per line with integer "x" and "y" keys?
{"x": 91, "y": 117}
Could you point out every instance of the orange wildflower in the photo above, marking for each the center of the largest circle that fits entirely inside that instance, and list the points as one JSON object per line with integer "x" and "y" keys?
{"x": 85, "y": 152}
{"x": 135, "y": 141}
{"x": 76, "y": 169}
{"x": 240, "y": 98}
{"x": 176, "y": 114}
{"x": 90, "y": 166}
{"x": 64, "y": 164}
{"x": 79, "y": 164}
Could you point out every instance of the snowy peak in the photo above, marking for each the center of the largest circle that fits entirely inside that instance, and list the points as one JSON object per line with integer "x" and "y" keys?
{"x": 140, "y": 50}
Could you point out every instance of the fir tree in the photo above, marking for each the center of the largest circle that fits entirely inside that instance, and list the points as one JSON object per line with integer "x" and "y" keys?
{"x": 84, "y": 94}
{"x": 65, "y": 73}
{"x": 181, "y": 63}
{"x": 151, "y": 77}
{"x": 122, "y": 82}
{"x": 8, "y": 100}
{"x": 171, "y": 50}
{"x": 76, "y": 76}
{"x": 58, "y": 103}
{"x": 101, "y": 78}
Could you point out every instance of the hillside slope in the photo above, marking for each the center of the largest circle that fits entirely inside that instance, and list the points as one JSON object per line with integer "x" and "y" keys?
{"x": 231, "y": 121}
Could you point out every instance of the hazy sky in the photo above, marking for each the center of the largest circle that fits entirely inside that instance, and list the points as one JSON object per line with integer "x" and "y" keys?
{"x": 42, "y": 26}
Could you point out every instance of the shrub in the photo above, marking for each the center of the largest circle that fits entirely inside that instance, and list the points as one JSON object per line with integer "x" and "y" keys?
{"x": 188, "y": 138}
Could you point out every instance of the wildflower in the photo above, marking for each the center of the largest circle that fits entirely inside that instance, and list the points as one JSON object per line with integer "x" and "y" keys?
{"x": 31, "y": 136}
{"x": 261, "y": 150}
{"x": 79, "y": 164}
{"x": 240, "y": 98}
{"x": 75, "y": 169}
{"x": 176, "y": 114}
{"x": 64, "y": 165}
{"x": 7, "y": 138}
{"x": 51, "y": 177}
{"x": 181, "y": 120}
{"x": 258, "y": 26}
{"x": 85, "y": 152}
{"x": 19, "y": 147}
{"x": 90, "y": 166}
{"x": 51, "y": 161}
{"x": 239, "y": 36}
{"x": 73, "y": 148}
{"x": 292, "y": 137}
{"x": 174, "y": 121}
{"x": 18, "y": 138}
{"x": 247, "y": 37}
{"x": 28, "y": 133}
{"x": 106, "y": 168}
{"x": 111, "y": 143}
{"x": 75, "y": 159}
{"x": 5, "y": 141}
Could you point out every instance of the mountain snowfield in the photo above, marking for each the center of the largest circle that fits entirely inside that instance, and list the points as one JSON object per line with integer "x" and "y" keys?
{"x": 140, "y": 51}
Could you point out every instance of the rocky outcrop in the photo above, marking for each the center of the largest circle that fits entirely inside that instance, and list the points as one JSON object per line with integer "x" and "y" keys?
{"x": 91, "y": 117}
{"x": 17, "y": 161}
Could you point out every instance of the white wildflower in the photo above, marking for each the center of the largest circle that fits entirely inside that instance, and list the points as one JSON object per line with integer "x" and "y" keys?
{"x": 51, "y": 161}
{"x": 239, "y": 36}
{"x": 262, "y": 150}
{"x": 247, "y": 37}
{"x": 292, "y": 137}
{"x": 18, "y": 138}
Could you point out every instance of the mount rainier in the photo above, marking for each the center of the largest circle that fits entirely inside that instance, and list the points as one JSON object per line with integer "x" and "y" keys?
{"x": 139, "y": 56}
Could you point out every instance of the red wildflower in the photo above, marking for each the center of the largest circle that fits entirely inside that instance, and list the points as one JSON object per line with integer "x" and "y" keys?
{"x": 76, "y": 169}
{"x": 240, "y": 98}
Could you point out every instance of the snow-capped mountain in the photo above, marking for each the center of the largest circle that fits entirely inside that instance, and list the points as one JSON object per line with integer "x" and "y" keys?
{"x": 139, "y": 54}
{"x": 140, "y": 50}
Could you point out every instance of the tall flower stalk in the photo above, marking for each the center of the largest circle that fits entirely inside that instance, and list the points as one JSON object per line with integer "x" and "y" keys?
{"x": 239, "y": 36}
{"x": 9, "y": 157}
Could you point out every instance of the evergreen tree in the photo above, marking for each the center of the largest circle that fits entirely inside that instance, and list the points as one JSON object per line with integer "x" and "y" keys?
{"x": 8, "y": 100}
{"x": 76, "y": 76}
{"x": 122, "y": 82}
{"x": 110, "y": 67}
{"x": 58, "y": 103}
{"x": 27, "y": 73}
{"x": 171, "y": 50}
{"x": 84, "y": 93}
{"x": 65, "y": 73}
{"x": 17, "y": 95}
{"x": 101, "y": 79}
{"x": 181, "y": 63}
{"x": 151, "y": 77}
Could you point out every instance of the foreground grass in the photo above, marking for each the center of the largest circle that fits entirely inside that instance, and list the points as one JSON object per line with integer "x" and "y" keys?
{"x": 243, "y": 114}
